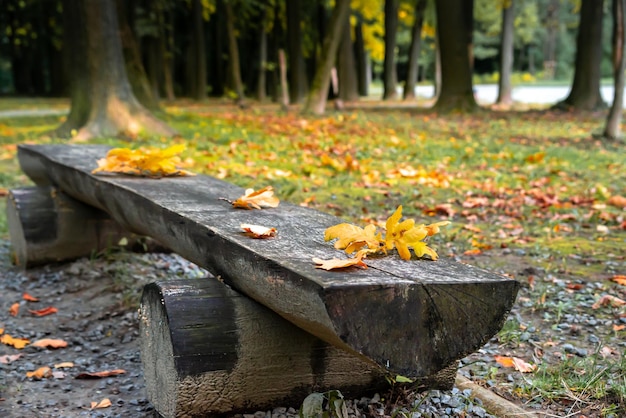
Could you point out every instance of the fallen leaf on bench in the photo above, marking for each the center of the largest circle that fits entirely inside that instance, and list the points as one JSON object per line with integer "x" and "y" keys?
{"x": 40, "y": 373}
{"x": 45, "y": 311}
{"x": 147, "y": 162}
{"x": 18, "y": 343}
{"x": 263, "y": 198}
{"x": 404, "y": 235}
{"x": 98, "y": 375}
{"x": 49, "y": 343}
{"x": 258, "y": 231}
{"x": 337, "y": 263}
{"x": 352, "y": 238}
{"x": 105, "y": 403}
{"x": 519, "y": 364}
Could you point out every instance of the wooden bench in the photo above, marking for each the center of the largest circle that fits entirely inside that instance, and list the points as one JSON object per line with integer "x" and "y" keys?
{"x": 208, "y": 349}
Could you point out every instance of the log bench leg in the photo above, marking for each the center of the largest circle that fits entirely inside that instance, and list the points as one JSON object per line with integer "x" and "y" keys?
{"x": 47, "y": 226}
{"x": 207, "y": 350}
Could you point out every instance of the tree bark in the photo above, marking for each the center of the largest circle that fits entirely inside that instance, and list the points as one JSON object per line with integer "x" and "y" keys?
{"x": 316, "y": 100}
{"x": 346, "y": 65}
{"x": 109, "y": 102}
{"x": 298, "y": 84}
{"x": 506, "y": 55}
{"x": 362, "y": 60}
{"x": 233, "y": 53}
{"x": 585, "y": 92}
{"x": 414, "y": 51}
{"x": 454, "y": 31}
{"x": 261, "y": 86}
{"x": 390, "y": 76}
{"x": 614, "y": 118}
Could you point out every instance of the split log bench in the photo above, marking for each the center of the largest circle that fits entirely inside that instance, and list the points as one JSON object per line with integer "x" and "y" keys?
{"x": 208, "y": 349}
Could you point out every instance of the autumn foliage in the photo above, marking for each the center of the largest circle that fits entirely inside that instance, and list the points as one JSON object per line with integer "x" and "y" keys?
{"x": 147, "y": 162}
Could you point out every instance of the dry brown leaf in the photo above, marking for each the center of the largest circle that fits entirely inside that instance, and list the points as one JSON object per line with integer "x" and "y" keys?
{"x": 105, "y": 403}
{"x": 98, "y": 375}
{"x": 613, "y": 301}
{"x": 258, "y": 231}
{"x": 45, "y": 311}
{"x": 619, "y": 279}
{"x": 64, "y": 365}
{"x": 50, "y": 343}
{"x": 617, "y": 201}
{"x": 14, "y": 309}
{"x": 6, "y": 359}
{"x": 40, "y": 373}
{"x": 337, "y": 263}
{"x": 18, "y": 343}
{"x": 29, "y": 298}
{"x": 263, "y": 198}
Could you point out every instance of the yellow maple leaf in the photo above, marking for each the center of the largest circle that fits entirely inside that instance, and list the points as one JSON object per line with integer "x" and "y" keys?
{"x": 337, "y": 263}
{"x": 353, "y": 238}
{"x": 404, "y": 235}
{"x": 263, "y": 198}
{"x": 151, "y": 162}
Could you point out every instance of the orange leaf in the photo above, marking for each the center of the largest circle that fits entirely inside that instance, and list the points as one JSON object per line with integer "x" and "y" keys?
{"x": 263, "y": 198}
{"x": 535, "y": 158}
{"x": 618, "y": 327}
{"x": 575, "y": 286}
{"x": 505, "y": 361}
{"x": 64, "y": 365}
{"x": 6, "y": 359}
{"x": 519, "y": 364}
{"x": 609, "y": 300}
{"x": 18, "y": 343}
{"x": 98, "y": 375}
{"x": 45, "y": 311}
{"x": 50, "y": 343}
{"x": 14, "y": 309}
{"x": 29, "y": 298}
{"x": 40, "y": 373}
{"x": 474, "y": 251}
{"x": 618, "y": 201}
{"x": 619, "y": 279}
{"x": 105, "y": 403}
{"x": 258, "y": 231}
{"x": 336, "y": 263}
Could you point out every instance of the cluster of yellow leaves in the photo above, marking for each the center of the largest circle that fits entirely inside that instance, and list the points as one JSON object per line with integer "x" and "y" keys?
{"x": 149, "y": 162}
{"x": 263, "y": 198}
{"x": 402, "y": 236}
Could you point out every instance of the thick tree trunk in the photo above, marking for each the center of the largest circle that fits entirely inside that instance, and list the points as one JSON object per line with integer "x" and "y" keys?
{"x": 298, "y": 83}
{"x": 198, "y": 51}
{"x": 506, "y": 56}
{"x": 585, "y": 93}
{"x": 454, "y": 31}
{"x": 112, "y": 107}
{"x": 614, "y": 119}
{"x": 346, "y": 65}
{"x": 316, "y": 100}
{"x": 233, "y": 53}
{"x": 362, "y": 60}
{"x": 390, "y": 77}
{"x": 414, "y": 51}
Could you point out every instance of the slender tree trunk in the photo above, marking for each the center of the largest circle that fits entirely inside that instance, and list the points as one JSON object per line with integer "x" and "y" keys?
{"x": 199, "y": 53}
{"x": 298, "y": 84}
{"x": 614, "y": 118}
{"x": 437, "y": 82}
{"x": 233, "y": 53}
{"x": 390, "y": 77}
{"x": 414, "y": 51}
{"x": 284, "y": 89}
{"x": 454, "y": 31}
{"x": 316, "y": 100}
{"x": 361, "y": 60}
{"x": 585, "y": 92}
{"x": 261, "y": 86}
{"x": 551, "y": 24}
{"x": 506, "y": 56}
{"x": 346, "y": 65}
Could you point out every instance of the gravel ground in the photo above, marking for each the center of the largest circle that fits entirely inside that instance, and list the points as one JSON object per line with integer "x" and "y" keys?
{"x": 96, "y": 301}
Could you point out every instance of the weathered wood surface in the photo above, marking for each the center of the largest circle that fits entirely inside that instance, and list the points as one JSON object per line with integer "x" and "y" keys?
{"x": 412, "y": 318}
{"x": 207, "y": 350}
{"x": 46, "y": 226}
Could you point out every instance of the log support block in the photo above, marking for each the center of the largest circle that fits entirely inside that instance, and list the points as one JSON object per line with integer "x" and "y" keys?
{"x": 208, "y": 350}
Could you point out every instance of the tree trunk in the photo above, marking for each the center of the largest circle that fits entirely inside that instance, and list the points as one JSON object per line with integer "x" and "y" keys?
{"x": 362, "y": 60}
{"x": 585, "y": 93}
{"x": 316, "y": 100}
{"x": 346, "y": 65}
{"x": 298, "y": 85}
{"x": 437, "y": 82}
{"x": 198, "y": 51}
{"x": 454, "y": 31}
{"x": 551, "y": 24}
{"x": 613, "y": 121}
{"x": 261, "y": 87}
{"x": 109, "y": 101}
{"x": 506, "y": 56}
{"x": 390, "y": 77}
{"x": 233, "y": 53}
{"x": 414, "y": 51}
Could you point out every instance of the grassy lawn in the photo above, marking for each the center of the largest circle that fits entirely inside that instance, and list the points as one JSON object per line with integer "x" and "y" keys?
{"x": 524, "y": 190}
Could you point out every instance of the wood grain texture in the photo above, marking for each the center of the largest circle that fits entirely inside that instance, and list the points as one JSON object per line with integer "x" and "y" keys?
{"x": 207, "y": 350}
{"x": 413, "y": 318}
{"x": 46, "y": 226}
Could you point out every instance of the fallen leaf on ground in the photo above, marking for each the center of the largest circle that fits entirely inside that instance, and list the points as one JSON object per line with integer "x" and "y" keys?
{"x": 263, "y": 198}
{"x": 40, "y": 373}
{"x": 337, "y": 263}
{"x": 613, "y": 301}
{"x": 14, "y": 309}
{"x": 49, "y": 343}
{"x": 18, "y": 343}
{"x": 6, "y": 359}
{"x": 519, "y": 364}
{"x": 617, "y": 201}
{"x": 98, "y": 375}
{"x": 619, "y": 279}
{"x": 105, "y": 403}
{"x": 258, "y": 231}
{"x": 45, "y": 311}
{"x": 64, "y": 365}
{"x": 29, "y": 298}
